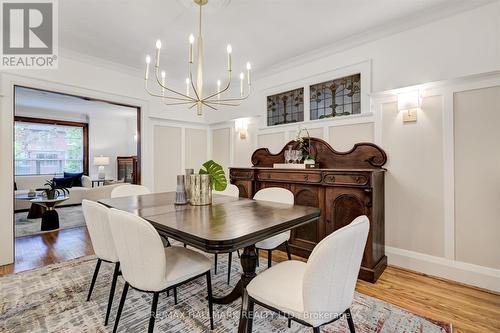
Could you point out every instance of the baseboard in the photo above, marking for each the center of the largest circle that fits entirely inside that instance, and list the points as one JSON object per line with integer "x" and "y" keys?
{"x": 470, "y": 274}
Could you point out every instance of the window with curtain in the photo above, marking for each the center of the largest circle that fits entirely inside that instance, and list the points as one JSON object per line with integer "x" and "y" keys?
{"x": 45, "y": 148}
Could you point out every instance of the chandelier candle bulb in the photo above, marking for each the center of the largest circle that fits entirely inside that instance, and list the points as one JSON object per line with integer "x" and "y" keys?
{"x": 191, "y": 42}
{"x": 249, "y": 67}
{"x": 158, "y": 48}
{"x": 242, "y": 77}
{"x": 229, "y": 49}
{"x": 146, "y": 74}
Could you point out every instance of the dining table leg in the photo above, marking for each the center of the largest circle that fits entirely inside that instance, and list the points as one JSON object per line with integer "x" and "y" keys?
{"x": 249, "y": 263}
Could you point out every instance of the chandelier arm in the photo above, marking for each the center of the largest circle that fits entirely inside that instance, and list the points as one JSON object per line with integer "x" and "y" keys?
{"x": 209, "y": 106}
{"x": 178, "y": 103}
{"x": 224, "y": 104}
{"x": 192, "y": 106}
{"x": 222, "y": 91}
{"x": 171, "y": 90}
{"x": 192, "y": 84}
{"x": 232, "y": 99}
{"x": 166, "y": 97}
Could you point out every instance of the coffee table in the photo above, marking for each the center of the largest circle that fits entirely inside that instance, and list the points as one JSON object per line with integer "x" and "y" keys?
{"x": 50, "y": 217}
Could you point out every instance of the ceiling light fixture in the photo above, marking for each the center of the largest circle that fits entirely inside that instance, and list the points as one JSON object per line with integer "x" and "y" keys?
{"x": 213, "y": 100}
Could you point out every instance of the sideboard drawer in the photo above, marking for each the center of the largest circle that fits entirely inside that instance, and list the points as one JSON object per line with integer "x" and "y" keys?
{"x": 306, "y": 177}
{"x": 241, "y": 174}
{"x": 346, "y": 179}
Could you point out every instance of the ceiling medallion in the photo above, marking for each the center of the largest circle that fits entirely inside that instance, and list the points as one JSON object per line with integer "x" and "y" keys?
{"x": 194, "y": 94}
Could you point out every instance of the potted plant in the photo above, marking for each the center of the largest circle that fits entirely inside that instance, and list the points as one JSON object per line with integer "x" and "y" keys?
{"x": 210, "y": 177}
{"x": 54, "y": 191}
{"x": 305, "y": 146}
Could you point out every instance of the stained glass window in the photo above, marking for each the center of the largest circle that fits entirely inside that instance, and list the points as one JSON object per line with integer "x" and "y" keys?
{"x": 285, "y": 108}
{"x": 339, "y": 97}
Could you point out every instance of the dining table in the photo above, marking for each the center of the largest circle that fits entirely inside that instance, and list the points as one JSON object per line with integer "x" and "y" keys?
{"x": 226, "y": 225}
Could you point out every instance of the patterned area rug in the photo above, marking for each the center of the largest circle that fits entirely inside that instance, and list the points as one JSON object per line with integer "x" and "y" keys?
{"x": 69, "y": 217}
{"x": 52, "y": 299}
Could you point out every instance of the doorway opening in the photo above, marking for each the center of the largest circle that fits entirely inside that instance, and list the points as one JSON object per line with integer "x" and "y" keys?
{"x": 81, "y": 146}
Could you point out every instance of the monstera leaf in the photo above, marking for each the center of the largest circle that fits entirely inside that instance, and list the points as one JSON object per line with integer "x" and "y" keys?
{"x": 217, "y": 175}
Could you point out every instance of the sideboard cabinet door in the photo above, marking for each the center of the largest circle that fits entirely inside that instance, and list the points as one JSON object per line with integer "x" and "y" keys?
{"x": 304, "y": 238}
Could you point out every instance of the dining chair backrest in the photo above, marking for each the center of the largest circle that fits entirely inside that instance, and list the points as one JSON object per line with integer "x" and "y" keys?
{"x": 129, "y": 190}
{"x": 332, "y": 270}
{"x": 231, "y": 191}
{"x": 140, "y": 250}
{"x": 97, "y": 220}
{"x": 275, "y": 194}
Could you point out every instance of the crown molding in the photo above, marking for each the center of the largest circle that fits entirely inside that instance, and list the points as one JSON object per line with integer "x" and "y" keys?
{"x": 100, "y": 62}
{"x": 382, "y": 31}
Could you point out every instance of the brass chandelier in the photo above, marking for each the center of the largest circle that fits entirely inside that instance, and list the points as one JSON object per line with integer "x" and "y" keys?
{"x": 212, "y": 100}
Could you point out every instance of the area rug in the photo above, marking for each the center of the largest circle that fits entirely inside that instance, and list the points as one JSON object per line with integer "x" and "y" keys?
{"x": 52, "y": 299}
{"x": 69, "y": 217}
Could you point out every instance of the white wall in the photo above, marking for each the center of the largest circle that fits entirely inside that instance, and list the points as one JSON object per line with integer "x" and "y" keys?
{"x": 110, "y": 136}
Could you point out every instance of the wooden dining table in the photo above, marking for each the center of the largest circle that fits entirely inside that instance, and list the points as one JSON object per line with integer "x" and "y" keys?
{"x": 227, "y": 225}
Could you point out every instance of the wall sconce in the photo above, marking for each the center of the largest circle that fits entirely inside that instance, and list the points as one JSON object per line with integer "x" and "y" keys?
{"x": 409, "y": 103}
{"x": 241, "y": 126}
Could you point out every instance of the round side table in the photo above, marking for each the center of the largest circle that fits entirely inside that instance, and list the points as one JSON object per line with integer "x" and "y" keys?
{"x": 50, "y": 218}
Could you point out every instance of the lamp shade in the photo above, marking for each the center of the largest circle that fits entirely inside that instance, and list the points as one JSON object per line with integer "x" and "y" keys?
{"x": 408, "y": 100}
{"x": 101, "y": 160}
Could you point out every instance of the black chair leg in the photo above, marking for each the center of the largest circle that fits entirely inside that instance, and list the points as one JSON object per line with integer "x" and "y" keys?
{"x": 210, "y": 300}
{"x": 350, "y": 322}
{"x": 215, "y": 264}
{"x": 152, "y": 318}
{"x": 269, "y": 258}
{"x": 96, "y": 271}
{"x": 112, "y": 292}
{"x": 250, "y": 314}
{"x": 229, "y": 261}
{"x": 258, "y": 258}
{"x": 120, "y": 307}
{"x": 175, "y": 295}
{"x": 239, "y": 255}
{"x": 288, "y": 250}
{"x": 289, "y": 323}
{"x": 316, "y": 330}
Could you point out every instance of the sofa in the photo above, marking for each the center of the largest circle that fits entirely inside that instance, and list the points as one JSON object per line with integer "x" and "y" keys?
{"x": 76, "y": 194}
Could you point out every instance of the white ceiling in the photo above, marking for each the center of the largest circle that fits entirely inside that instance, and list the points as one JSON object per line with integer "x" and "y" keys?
{"x": 44, "y": 100}
{"x": 265, "y": 32}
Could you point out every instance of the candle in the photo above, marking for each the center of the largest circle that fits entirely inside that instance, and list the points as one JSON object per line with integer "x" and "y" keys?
{"x": 249, "y": 67}
{"x": 163, "y": 74}
{"x": 148, "y": 60}
{"x": 191, "y": 42}
{"x": 242, "y": 77}
{"x": 158, "y": 48}
{"x": 218, "y": 89}
{"x": 187, "y": 86}
{"x": 229, "y": 49}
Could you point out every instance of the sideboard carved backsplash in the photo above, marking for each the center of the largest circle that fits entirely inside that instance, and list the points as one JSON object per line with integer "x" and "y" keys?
{"x": 344, "y": 186}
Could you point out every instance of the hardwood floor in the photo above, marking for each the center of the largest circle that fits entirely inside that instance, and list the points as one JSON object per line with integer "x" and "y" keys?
{"x": 468, "y": 309}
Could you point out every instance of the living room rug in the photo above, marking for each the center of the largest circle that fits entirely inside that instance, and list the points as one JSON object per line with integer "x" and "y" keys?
{"x": 52, "y": 299}
{"x": 69, "y": 217}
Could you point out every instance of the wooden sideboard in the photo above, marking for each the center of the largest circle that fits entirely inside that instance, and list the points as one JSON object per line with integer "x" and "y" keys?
{"x": 344, "y": 186}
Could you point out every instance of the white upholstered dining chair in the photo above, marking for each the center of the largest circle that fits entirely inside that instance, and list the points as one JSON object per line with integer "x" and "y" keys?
{"x": 281, "y": 195}
{"x": 149, "y": 267}
{"x": 230, "y": 191}
{"x": 129, "y": 190}
{"x": 317, "y": 292}
{"x": 96, "y": 218}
